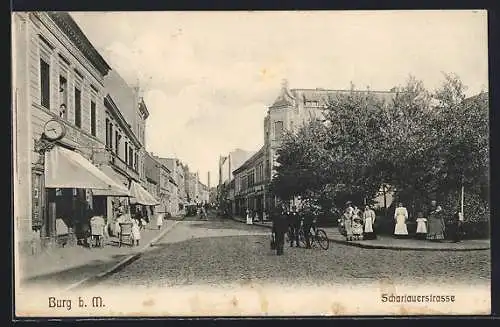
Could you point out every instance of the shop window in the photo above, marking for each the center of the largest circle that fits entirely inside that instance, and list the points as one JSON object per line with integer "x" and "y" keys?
{"x": 44, "y": 84}
{"x": 78, "y": 107}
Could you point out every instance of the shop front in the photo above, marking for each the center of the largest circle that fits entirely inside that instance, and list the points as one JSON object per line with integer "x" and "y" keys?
{"x": 68, "y": 197}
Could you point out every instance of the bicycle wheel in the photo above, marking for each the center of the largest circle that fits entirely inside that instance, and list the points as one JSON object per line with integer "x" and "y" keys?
{"x": 322, "y": 239}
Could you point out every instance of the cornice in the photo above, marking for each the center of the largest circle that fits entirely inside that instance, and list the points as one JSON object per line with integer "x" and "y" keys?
{"x": 71, "y": 29}
{"x": 41, "y": 18}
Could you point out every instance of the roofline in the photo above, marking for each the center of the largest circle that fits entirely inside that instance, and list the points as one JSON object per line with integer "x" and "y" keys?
{"x": 67, "y": 24}
{"x": 249, "y": 160}
{"x": 349, "y": 90}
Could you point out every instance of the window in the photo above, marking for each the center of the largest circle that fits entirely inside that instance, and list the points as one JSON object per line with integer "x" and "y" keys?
{"x": 45, "y": 84}
{"x": 130, "y": 157}
{"x": 126, "y": 151}
{"x": 278, "y": 130}
{"x": 78, "y": 107}
{"x": 111, "y": 136}
{"x": 118, "y": 137}
{"x": 107, "y": 133}
{"x": 136, "y": 162}
{"x": 92, "y": 118}
{"x": 63, "y": 97}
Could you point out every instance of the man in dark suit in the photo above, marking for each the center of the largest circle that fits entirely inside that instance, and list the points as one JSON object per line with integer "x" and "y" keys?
{"x": 280, "y": 226}
{"x": 294, "y": 223}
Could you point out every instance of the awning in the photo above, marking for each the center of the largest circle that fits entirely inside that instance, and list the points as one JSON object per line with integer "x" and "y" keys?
{"x": 140, "y": 196}
{"x": 67, "y": 169}
{"x": 115, "y": 176}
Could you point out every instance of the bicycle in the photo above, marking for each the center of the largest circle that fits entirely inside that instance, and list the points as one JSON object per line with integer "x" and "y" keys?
{"x": 317, "y": 236}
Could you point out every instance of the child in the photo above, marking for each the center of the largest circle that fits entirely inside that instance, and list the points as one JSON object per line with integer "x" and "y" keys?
{"x": 136, "y": 232}
{"x": 159, "y": 220}
{"x": 357, "y": 227}
{"x": 421, "y": 226}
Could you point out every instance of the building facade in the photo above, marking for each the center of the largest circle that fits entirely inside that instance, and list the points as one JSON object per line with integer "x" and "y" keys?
{"x": 58, "y": 75}
{"x": 178, "y": 198}
{"x": 152, "y": 175}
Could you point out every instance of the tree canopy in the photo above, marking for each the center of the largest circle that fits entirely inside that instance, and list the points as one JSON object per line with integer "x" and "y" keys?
{"x": 423, "y": 144}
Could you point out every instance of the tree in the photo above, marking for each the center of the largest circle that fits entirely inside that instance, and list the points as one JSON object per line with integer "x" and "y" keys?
{"x": 422, "y": 144}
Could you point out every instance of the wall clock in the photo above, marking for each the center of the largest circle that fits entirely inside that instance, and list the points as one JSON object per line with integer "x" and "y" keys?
{"x": 54, "y": 130}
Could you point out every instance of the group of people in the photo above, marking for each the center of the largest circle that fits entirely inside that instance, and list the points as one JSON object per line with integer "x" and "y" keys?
{"x": 99, "y": 229}
{"x": 357, "y": 225}
{"x": 290, "y": 221}
{"x": 436, "y": 227}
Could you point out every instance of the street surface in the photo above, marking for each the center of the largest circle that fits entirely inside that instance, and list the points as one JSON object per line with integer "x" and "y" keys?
{"x": 222, "y": 251}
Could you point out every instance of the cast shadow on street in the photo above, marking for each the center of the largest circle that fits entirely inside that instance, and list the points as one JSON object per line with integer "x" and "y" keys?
{"x": 67, "y": 277}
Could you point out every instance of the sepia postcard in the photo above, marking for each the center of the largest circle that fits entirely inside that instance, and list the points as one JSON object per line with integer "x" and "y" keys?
{"x": 286, "y": 163}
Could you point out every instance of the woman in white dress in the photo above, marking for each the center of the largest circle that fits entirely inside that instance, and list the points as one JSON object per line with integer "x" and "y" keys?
{"x": 159, "y": 220}
{"x": 369, "y": 221}
{"x": 249, "y": 217}
{"x": 401, "y": 216}
{"x": 421, "y": 232}
{"x": 136, "y": 231}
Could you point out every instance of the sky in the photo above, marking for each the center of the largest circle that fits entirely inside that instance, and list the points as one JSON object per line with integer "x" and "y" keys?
{"x": 208, "y": 77}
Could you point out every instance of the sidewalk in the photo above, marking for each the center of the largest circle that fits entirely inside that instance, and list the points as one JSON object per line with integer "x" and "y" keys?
{"x": 69, "y": 265}
{"x": 390, "y": 243}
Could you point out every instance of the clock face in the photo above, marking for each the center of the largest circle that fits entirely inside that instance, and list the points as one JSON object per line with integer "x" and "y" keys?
{"x": 54, "y": 130}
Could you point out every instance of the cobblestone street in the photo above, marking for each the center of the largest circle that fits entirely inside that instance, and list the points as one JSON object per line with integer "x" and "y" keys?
{"x": 225, "y": 252}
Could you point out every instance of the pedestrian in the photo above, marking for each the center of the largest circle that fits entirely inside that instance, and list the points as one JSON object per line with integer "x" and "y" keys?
{"x": 400, "y": 216}
{"x": 159, "y": 220}
{"x": 249, "y": 217}
{"x": 357, "y": 225}
{"x": 436, "y": 226}
{"x": 421, "y": 232}
{"x": 347, "y": 218}
{"x": 294, "y": 223}
{"x": 454, "y": 231}
{"x": 369, "y": 222}
{"x": 136, "y": 232}
{"x": 97, "y": 229}
{"x": 279, "y": 228}
{"x": 308, "y": 218}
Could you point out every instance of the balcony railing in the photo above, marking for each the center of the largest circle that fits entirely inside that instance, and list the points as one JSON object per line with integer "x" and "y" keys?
{"x": 108, "y": 157}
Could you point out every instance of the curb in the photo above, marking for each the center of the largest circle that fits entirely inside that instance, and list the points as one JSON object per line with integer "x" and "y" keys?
{"x": 386, "y": 247}
{"x": 128, "y": 260}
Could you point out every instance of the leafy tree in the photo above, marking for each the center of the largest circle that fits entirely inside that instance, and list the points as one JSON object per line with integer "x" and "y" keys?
{"x": 422, "y": 144}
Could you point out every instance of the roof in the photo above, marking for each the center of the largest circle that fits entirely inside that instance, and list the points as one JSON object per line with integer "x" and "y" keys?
{"x": 322, "y": 96}
{"x": 251, "y": 160}
{"x": 76, "y": 35}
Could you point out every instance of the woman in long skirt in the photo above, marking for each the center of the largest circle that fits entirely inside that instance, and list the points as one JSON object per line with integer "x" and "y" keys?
{"x": 369, "y": 221}
{"x": 249, "y": 217}
{"x": 401, "y": 216}
{"x": 436, "y": 225}
{"x": 347, "y": 218}
{"x": 136, "y": 232}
